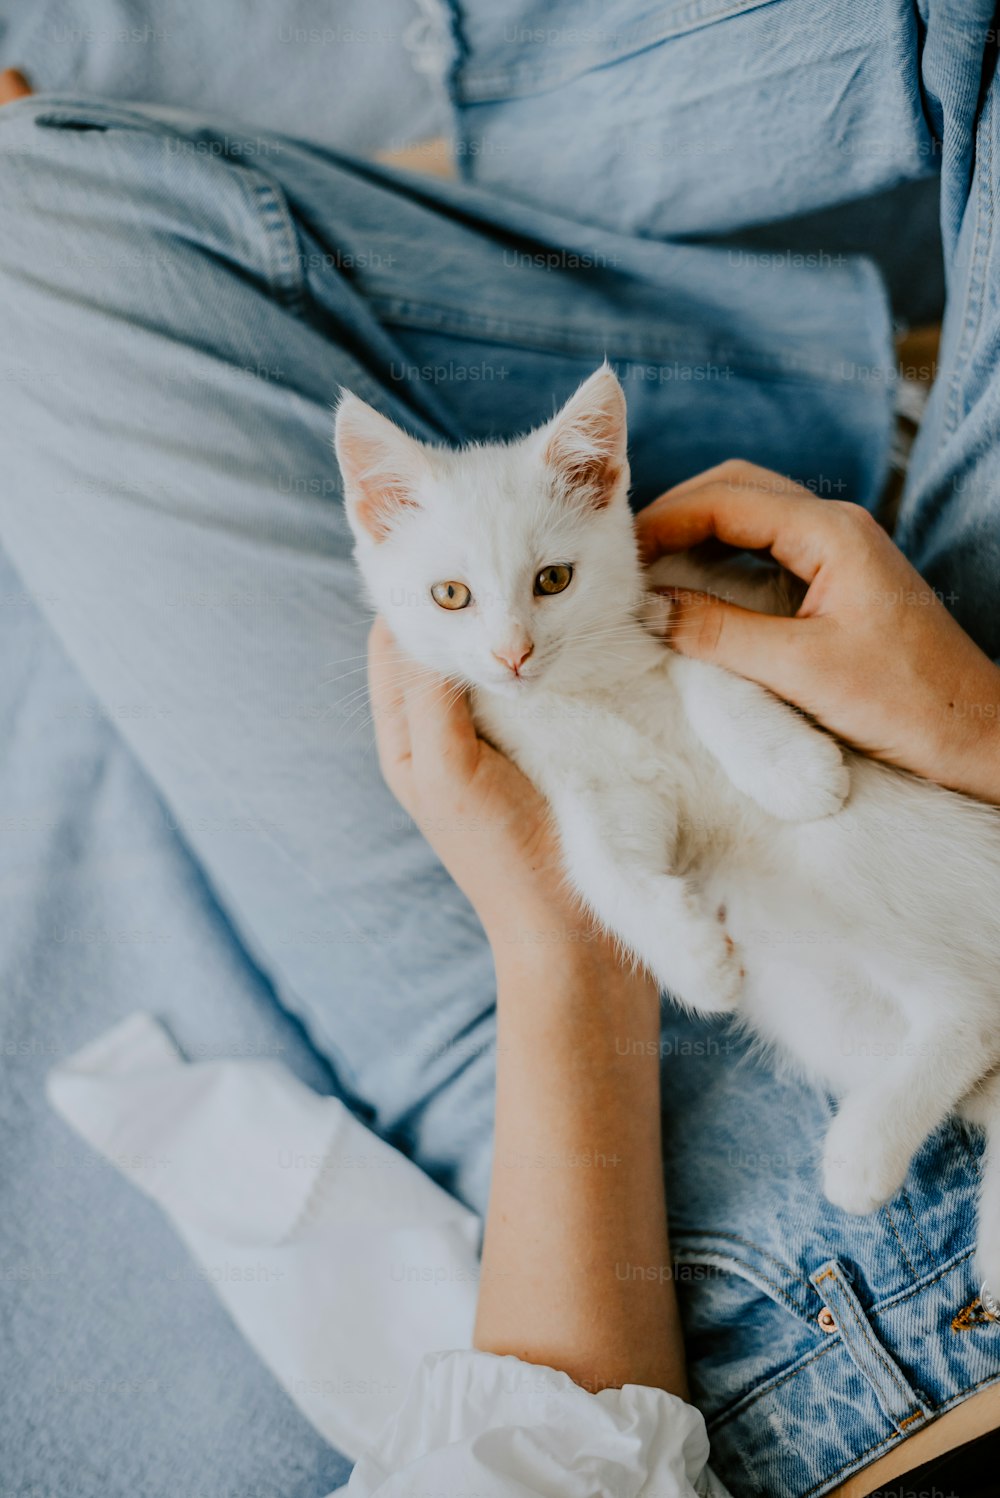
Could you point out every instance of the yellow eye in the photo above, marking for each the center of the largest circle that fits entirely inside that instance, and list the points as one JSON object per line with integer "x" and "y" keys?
{"x": 554, "y": 579}
{"x": 451, "y": 595}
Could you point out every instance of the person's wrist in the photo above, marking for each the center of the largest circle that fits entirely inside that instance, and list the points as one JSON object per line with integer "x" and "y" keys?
{"x": 522, "y": 931}
{"x": 967, "y": 755}
{"x": 570, "y": 958}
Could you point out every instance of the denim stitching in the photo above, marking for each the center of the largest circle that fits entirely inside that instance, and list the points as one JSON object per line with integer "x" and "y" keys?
{"x": 980, "y": 247}
{"x": 263, "y": 199}
{"x": 752, "y": 1273}
{"x": 874, "y": 1346}
{"x": 282, "y": 240}
{"x": 736, "y": 1412}
{"x": 895, "y": 1233}
{"x": 904, "y": 1295}
{"x": 892, "y": 1440}
{"x": 905, "y": 1196}
{"x": 799, "y": 1279}
{"x": 406, "y": 312}
{"x": 896, "y": 1439}
{"x": 747, "y": 1401}
{"x": 751, "y": 1397}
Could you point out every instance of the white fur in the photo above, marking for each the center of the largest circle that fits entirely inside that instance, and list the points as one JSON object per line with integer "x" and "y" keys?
{"x": 703, "y": 821}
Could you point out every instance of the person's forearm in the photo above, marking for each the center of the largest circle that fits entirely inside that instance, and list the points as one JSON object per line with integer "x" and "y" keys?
{"x": 576, "y": 1267}
{"x": 969, "y": 757}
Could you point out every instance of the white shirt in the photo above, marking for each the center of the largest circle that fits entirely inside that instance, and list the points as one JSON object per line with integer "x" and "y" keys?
{"x": 490, "y": 1427}
{"x": 372, "y": 1273}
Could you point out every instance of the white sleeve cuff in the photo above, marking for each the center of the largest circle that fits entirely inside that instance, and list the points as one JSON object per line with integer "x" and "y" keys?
{"x": 497, "y": 1427}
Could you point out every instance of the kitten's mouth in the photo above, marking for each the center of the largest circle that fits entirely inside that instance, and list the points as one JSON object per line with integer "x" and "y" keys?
{"x": 513, "y": 685}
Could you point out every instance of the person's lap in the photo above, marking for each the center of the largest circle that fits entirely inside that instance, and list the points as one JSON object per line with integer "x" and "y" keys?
{"x": 177, "y": 332}
{"x": 179, "y": 323}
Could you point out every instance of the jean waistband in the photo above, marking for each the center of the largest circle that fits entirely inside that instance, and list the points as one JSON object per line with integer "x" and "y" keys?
{"x": 876, "y": 1377}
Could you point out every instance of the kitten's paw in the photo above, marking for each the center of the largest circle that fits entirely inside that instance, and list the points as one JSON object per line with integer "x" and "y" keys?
{"x": 707, "y": 975}
{"x": 808, "y": 779}
{"x": 859, "y": 1173}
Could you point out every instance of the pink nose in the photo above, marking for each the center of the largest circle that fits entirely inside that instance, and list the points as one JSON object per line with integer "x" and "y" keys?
{"x": 514, "y": 656}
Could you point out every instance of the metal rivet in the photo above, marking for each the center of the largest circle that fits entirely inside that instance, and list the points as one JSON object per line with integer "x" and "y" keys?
{"x": 989, "y": 1302}
{"x": 827, "y": 1320}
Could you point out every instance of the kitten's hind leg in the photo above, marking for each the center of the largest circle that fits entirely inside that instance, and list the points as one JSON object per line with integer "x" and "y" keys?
{"x": 616, "y": 845}
{"x": 879, "y": 1128}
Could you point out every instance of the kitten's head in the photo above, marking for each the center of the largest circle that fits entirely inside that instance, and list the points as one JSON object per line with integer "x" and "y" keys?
{"x": 501, "y": 565}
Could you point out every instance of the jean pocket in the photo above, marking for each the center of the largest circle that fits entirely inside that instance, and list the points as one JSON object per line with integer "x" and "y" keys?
{"x": 747, "y": 1316}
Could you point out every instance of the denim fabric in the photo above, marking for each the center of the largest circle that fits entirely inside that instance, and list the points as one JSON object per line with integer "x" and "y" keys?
{"x": 226, "y": 297}
{"x": 181, "y": 301}
{"x": 690, "y": 117}
{"x": 121, "y": 1372}
{"x": 361, "y": 71}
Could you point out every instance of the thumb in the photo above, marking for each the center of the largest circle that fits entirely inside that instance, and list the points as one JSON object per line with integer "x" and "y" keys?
{"x": 764, "y": 647}
{"x": 443, "y": 736}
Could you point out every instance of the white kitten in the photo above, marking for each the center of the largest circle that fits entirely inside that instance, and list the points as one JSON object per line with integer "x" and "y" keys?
{"x": 704, "y": 822}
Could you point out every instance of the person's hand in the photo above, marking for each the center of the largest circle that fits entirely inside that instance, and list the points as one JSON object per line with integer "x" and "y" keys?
{"x": 872, "y": 654}
{"x": 485, "y": 820}
{"x": 13, "y": 85}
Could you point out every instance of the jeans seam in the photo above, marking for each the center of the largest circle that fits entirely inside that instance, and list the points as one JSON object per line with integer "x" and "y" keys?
{"x": 874, "y": 1346}
{"x": 897, "y": 1437}
{"x": 262, "y": 197}
{"x": 754, "y": 1274}
{"x": 905, "y": 1196}
{"x": 431, "y": 316}
{"x": 895, "y": 1233}
{"x": 927, "y": 1280}
{"x": 276, "y": 222}
{"x": 982, "y": 236}
{"x": 753, "y": 1396}
{"x": 799, "y": 1279}
{"x": 747, "y": 1401}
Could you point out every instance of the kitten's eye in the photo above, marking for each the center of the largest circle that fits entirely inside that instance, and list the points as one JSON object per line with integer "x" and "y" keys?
{"x": 451, "y": 595}
{"x": 554, "y": 579}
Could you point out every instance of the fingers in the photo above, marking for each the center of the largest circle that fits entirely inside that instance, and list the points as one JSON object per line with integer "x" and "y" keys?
{"x": 423, "y": 727}
{"x": 745, "y": 506}
{"x": 387, "y": 677}
{"x": 13, "y": 85}
{"x": 767, "y": 649}
{"x": 445, "y": 744}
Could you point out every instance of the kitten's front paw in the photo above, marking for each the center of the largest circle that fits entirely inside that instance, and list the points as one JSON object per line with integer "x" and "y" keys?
{"x": 708, "y": 975}
{"x": 859, "y": 1173}
{"x": 808, "y": 779}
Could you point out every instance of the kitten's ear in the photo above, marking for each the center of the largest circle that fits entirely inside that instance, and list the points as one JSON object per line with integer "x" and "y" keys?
{"x": 587, "y": 442}
{"x": 381, "y": 467}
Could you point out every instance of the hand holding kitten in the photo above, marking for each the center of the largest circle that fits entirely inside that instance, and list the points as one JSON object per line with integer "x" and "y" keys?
{"x": 872, "y": 654}
{"x": 484, "y": 819}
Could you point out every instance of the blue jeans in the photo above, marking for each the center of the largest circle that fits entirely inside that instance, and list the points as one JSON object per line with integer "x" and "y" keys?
{"x": 182, "y": 299}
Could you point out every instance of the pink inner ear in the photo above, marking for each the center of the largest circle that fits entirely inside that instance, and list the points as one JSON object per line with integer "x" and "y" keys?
{"x": 593, "y": 474}
{"x": 378, "y": 506}
{"x": 586, "y": 444}
{"x": 379, "y": 464}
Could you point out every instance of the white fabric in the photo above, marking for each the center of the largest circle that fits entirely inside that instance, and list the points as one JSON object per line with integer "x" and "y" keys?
{"x": 341, "y": 1262}
{"x": 344, "y": 1265}
{"x": 496, "y": 1427}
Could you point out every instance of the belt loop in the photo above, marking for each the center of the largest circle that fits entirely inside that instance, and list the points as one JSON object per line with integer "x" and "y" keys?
{"x": 904, "y": 1407}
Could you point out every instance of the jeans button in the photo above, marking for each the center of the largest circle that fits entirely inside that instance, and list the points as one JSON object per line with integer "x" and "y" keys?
{"x": 827, "y": 1320}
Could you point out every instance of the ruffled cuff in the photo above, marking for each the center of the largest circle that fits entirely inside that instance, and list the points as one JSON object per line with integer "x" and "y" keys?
{"x": 495, "y": 1427}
